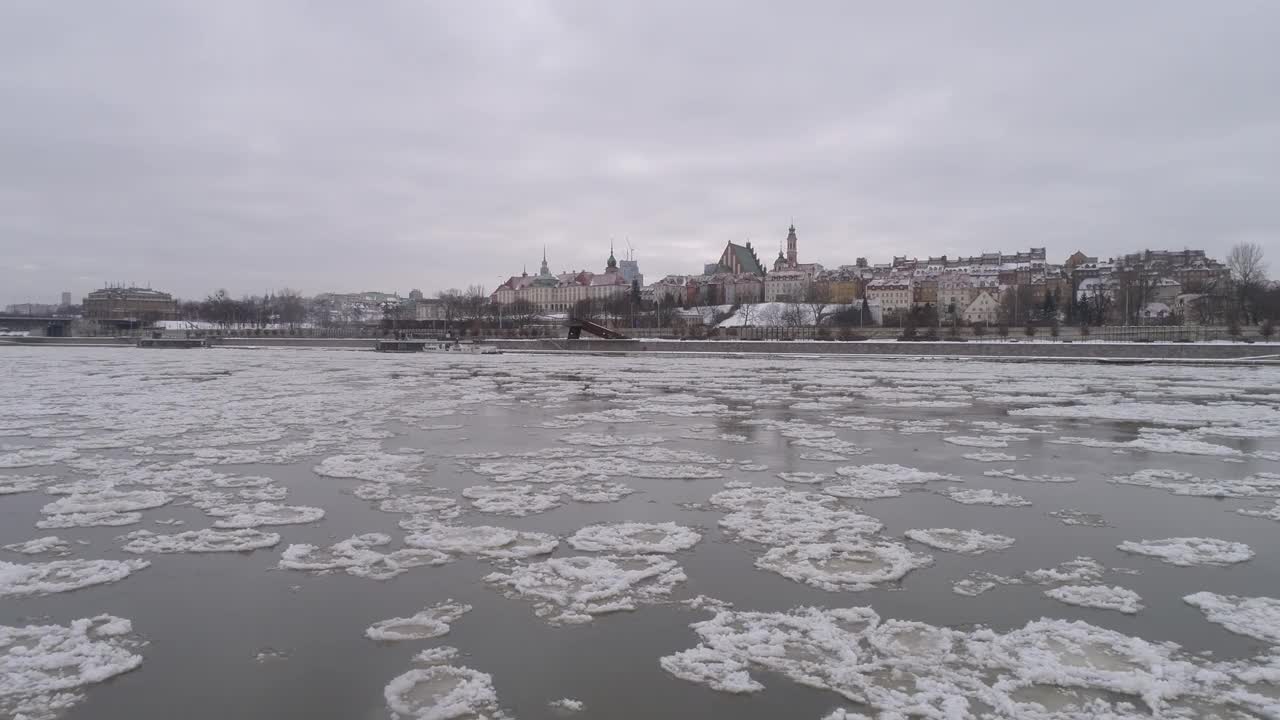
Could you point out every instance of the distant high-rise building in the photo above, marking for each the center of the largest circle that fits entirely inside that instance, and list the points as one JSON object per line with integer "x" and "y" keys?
{"x": 66, "y": 299}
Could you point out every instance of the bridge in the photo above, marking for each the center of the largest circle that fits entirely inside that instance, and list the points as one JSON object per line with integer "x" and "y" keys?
{"x": 577, "y": 327}
{"x": 50, "y": 325}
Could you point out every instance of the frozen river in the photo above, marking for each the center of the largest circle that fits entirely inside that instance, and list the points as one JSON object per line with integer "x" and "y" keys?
{"x": 332, "y": 534}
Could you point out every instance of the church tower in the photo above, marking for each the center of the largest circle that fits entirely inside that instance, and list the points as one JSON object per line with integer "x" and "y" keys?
{"x": 793, "y": 258}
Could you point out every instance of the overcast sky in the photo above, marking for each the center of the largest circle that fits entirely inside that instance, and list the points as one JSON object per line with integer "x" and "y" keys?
{"x": 390, "y": 145}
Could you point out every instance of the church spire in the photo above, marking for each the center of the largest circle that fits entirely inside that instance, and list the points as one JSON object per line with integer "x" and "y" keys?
{"x": 544, "y": 270}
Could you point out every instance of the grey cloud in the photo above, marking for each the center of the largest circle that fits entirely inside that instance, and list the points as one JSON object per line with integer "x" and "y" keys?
{"x": 413, "y": 144}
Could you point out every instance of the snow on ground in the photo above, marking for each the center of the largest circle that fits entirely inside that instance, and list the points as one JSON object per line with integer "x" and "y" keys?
{"x": 1190, "y": 550}
{"x": 971, "y": 542}
{"x": 357, "y": 556}
{"x": 428, "y": 623}
{"x": 1256, "y": 617}
{"x": 46, "y": 669}
{"x": 1103, "y": 597}
{"x": 567, "y": 590}
{"x": 56, "y": 576}
{"x": 635, "y": 538}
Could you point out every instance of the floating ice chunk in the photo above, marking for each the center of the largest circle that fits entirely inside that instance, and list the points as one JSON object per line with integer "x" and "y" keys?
{"x": 1154, "y": 442}
{"x": 510, "y": 500}
{"x": 444, "y": 507}
{"x": 1175, "y": 414}
{"x": 983, "y": 441}
{"x": 1181, "y": 483}
{"x": 373, "y": 467}
{"x": 822, "y": 456}
{"x": 44, "y": 668}
{"x": 29, "y": 457}
{"x": 576, "y": 589}
{"x": 1255, "y": 617}
{"x": 1103, "y": 597}
{"x": 428, "y": 623}
{"x": 1078, "y": 517}
{"x": 199, "y": 541}
{"x": 567, "y": 705}
{"x": 971, "y": 542}
{"x": 891, "y": 473}
{"x": 356, "y": 556}
{"x": 842, "y": 714}
{"x": 50, "y": 544}
{"x": 666, "y": 455}
{"x": 1082, "y": 570}
{"x": 705, "y": 602}
{"x": 807, "y": 478}
{"x": 779, "y": 516}
{"x": 89, "y": 519}
{"x": 605, "y": 440}
{"x": 1270, "y": 513}
{"x": 864, "y": 489}
{"x": 442, "y": 655}
{"x": 17, "y": 580}
{"x": 843, "y": 566}
{"x": 990, "y": 457}
{"x": 267, "y": 493}
{"x": 597, "y": 491}
{"x": 443, "y": 692}
{"x": 14, "y": 484}
{"x": 1011, "y": 475}
{"x": 980, "y": 582}
{"x": 984, "y": 496}
{"x": 1190, "y": 550}
{"x": 635, "y": 538}
{"x": 107, "y": 501}
{"x": 483, "y": 540}
{"x": 831, "y": 445}
{"x": 372, "y": 491}
{"x": 250, "y": 516}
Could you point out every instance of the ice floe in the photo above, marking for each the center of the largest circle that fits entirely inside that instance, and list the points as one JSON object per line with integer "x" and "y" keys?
{"x": 568, "y": 705}
{"x": 357, "y": 556}
{"x": 1103, "y": 597}
{"x": 1190, "y": 550}
{"x": 45, "y": 669}
{"x": 1079, "y": 518}
{"x": 1255, "y": 617}
{"x": 373, "y": 467}
{"x": 18, "y": 580}
{"x": 984, "y": 496}
{"x": 251, "y": 516}
{"x": 483, "y": 540}
{"x": 199, "y": 541}
{"x": 1010, "y": 474}
{"x": 635, "y": 538}
{"x": 51, "y": 544}
{"x": 443, "y": 692}
{"x": 804, "y": 478}
{"x": 971, "y": 542}
{"x": 990, "y": 457}
{"x": 576, "y": 589}
{"x": 1259, "y": 485}
{"x": 511, "y": 500}
{"x": 843, "y": 566}
{"x": 779, "y": 516}
{"x": 106, "y": 501}
{"x": 428, "y": 623}
{"x": 89, "y": 519}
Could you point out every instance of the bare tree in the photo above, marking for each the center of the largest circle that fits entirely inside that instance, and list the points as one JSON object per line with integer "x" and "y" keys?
{"x": 746, "y": 311}
{"x": 1249, "y": 274}
{"x": 817, "y": 298}
{"x": 522, "y": 312}
{"x": 794, "y": 316}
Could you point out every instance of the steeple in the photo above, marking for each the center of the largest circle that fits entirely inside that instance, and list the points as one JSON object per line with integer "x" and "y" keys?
{"x": 792, "y": 254}
{"x": 544, "y": 270}
{"x": 612, "y": 265}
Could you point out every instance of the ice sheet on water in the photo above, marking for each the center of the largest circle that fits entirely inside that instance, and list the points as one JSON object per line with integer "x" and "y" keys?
{"x": 1262, "y": 484}
{"x": 511, "y": 500}
{"x": 1079, "y": 518}
{"x": 576, "y": 589}
{"x": 44, "y": 669}
{"x": 89, "y": 519}
{"x": 983, "y": 496}
{"x": 804, "y": 478}
{"x": 1045, "y": 670}
{"x": 1154, "y": 442}
{"x": 442, "y": 655}
{"x": 980, "y": 582}
{"x": 971, "y": 542}
{"x": 568, "y": 705}
{"x": 51, "y": 544}
{"x": 633, "y": 538}
{"x": 982, "y": 441}
{"x": 607, "y": 440}
{"x": 18, "y": 580}
{"x": 14, "y": 484}
{"x": 1103, "y": 597}
{"x": 374, "y": 467}
{"x": 1186, "y": 551}
{"x": 841, "y": 567}
{"x": 830, "y": 446}
{"x": 263, "y": 513}
{"x": 599, "y": 491}
{"x": 485, "y": 541}
{"x": 990, "y": 456}
{"x": 1255, "y": 617}
{"x": 117, "y": 501}
{"x": 1271, "y": 512}
{"x": 372, "y": 491}
{"x": 199, "y": 541}
{"x": 779, "y": 516}
{"x": 266, "y": 493}
{"x": 446, "y": 508}
{"x": 30, "y": 457}
{"x": 443, "y": 692}
{"x": 1010, "y": 474}
{"x": 357, "y": 556}
{"x": 1182, "y": 414}
{"x": 1080, "y": 571}
{"x": 428, "y": 623}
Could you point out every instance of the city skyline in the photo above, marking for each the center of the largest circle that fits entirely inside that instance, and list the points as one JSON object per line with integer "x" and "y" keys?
{"x": 398, "y": 146}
